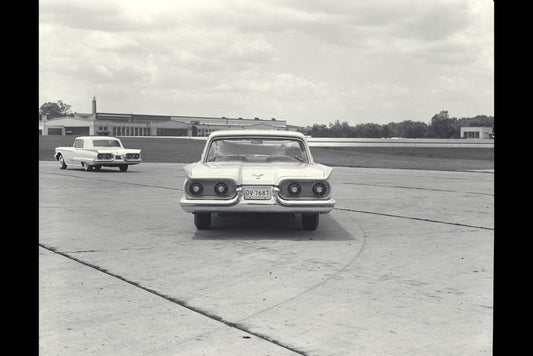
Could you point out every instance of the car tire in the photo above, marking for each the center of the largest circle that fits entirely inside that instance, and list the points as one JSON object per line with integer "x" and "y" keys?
{"x": 123, "y": 168}
{"x": 202, "y": 220}
{"x": 87, "y": 167}
{"x": 61, "y": 160}
{"x": 310, "y": 221}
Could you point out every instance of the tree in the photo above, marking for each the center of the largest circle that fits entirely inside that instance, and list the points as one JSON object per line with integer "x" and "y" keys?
{"x": 412, "y": 129}
{"x": 442, "y": 126}
{"x": 54, "y": 110}
{"x": 368, "y": 130}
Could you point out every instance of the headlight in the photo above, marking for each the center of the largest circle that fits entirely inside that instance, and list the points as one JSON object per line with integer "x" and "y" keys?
{"x": 294, "y": 189}
{"x": 100, "y": 156}
{"x": 221, "y": 189}
{"x": 196, "y": 188}
{"x": 319, "y": 189}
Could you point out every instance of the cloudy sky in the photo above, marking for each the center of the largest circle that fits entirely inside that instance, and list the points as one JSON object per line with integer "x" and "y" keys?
{"x": 304, "y": 61}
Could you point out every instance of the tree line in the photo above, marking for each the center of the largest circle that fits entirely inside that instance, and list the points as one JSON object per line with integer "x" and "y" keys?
{"x": 440, "y": 126}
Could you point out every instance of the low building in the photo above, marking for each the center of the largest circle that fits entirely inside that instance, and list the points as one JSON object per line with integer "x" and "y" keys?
{"x": 116, "y": 124}
{"x": 476, "y": 132}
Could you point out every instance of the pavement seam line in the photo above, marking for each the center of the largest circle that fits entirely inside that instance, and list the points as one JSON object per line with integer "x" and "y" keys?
{"x": 417, "y": 188}
{"x": 176, "y": 301}
{"x": 414, "y": 218}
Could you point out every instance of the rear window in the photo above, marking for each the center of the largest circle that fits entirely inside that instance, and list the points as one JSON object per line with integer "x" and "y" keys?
{"x": 106, "y": 143}
{"x": 257, "y": 150}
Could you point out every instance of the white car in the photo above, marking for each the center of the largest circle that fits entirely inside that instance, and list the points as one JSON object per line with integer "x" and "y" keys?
{"x": 95, "y": 152}
{"x": 257, "y": 171}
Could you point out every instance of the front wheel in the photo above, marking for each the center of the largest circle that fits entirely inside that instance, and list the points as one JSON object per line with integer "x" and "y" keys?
{"x": 123, "y": 168}
{"x": 310, "y": 221}
{"x": 202, "y": 220}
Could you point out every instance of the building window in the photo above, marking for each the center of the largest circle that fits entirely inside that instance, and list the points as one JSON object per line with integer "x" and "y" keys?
{"x": 471, "y": 134}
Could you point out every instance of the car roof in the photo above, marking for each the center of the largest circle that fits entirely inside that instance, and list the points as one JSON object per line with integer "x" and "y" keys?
{"x": 276, "y": 133}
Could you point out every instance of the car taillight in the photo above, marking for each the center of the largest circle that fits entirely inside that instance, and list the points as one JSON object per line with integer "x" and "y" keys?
{"x": 294, "y": 189}
{"x": 221, "y": 189}
{"x": 319, "y": 189}
{"x": 196, "y": 188}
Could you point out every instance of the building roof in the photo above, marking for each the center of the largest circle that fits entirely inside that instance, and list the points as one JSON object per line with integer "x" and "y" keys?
{"x": 68, "y": 121}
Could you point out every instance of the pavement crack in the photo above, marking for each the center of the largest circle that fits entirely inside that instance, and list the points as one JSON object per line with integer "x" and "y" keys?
{"x": 113, "y": 181}
{"x": 177, "y": 301}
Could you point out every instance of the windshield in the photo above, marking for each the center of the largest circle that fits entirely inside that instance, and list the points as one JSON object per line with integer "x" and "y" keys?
{"x": 106, "y": 143}
{"x": 257, "y": 150}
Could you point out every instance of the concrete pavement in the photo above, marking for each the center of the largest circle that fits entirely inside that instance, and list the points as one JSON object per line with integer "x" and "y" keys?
{"x": 403, "y": 265}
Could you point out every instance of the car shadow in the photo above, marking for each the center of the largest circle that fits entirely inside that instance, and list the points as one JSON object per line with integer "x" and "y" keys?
{"x": 103, "y": 170}
{"x": 271, "y": 227}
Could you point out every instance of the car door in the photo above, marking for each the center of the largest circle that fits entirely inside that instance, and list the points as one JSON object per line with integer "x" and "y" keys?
{"x": 73, "y": 155}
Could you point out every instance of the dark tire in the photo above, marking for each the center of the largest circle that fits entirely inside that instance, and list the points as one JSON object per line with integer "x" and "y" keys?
{"x": 310, "y": 221}
{"x": 123, "y": 168}
{"x": 87, "y": 167}
{"x": 202, "y": 220}
{"x": 97, "y": 168}
{"x": 61, "y": 160}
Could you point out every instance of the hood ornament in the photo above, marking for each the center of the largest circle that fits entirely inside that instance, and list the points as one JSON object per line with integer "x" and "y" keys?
{"x": 257, "y": 175}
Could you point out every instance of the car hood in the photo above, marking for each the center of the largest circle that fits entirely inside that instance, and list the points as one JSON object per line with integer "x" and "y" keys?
{"x": 256, "y": 173}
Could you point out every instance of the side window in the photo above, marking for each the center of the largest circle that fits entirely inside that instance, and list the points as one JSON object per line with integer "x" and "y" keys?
{"x": 78, "y": 143}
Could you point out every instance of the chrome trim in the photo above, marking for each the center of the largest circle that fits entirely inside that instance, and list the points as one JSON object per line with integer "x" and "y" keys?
{"x": 239, "y": 204}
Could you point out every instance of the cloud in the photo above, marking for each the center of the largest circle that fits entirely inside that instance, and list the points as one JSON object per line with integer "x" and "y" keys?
{"x": 299, "y": 60}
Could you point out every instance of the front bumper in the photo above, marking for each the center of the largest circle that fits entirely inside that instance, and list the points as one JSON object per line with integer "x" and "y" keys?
{"x": 238, "y": 204}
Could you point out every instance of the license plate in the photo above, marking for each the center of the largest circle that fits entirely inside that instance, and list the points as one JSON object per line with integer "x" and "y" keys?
{"x": 257, "y": 193}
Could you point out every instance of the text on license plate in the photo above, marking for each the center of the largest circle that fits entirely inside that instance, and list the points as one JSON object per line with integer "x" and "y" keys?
{"x": 257, "y": 193}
